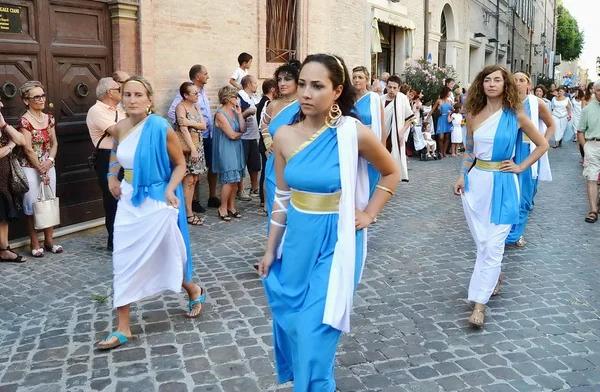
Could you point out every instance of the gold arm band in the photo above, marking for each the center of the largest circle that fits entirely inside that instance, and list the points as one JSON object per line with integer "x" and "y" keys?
{"x": 488, "y": 165}
{"x": 385, "y": 189}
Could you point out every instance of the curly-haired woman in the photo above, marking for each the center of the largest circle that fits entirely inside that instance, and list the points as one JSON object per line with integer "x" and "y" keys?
{"x": 494, "y": 120}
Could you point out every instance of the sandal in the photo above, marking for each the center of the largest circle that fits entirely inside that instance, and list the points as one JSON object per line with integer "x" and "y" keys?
{"x": 198, "y": 301}
{"x": 225, "y": 218}
{"x": 592, "y": 217}
{"x": 54, "y": 248}
{"x": 235, "y": 214}
{"x": 121, "y": 339}
{"x": 474, "y": 321}
{"x": 195, "y": 220}
{"x": 521, "y": 242}
{"x": 497, "y": 288}
{"x": 37, "y": 252}
{"x": 18, "y": 259}
{"x": 264, "y": 212}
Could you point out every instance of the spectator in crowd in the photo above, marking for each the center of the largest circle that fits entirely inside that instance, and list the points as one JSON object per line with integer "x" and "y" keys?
{"x": 456, "y": 119}
{"x": 561, "y": 111}
{"x": 9, "y": 202}
{"x": 430, "y": 143}
{"x": 37, "y": 159}
{"x": 450, "y": 83}
{"x": 576, "y": 107}
{"x": 228, "y": 151}
{"x": 199, "y": 76}
{"x": 589, "y": 95}
{"x": 245, "y": 62}
{"x": 250, "y": 137}
{"x": 120, "y": 77}
{"x": 552, "y": 92}
{"x": 269, "y": 90}
{"x": 104, "y": 114}
{"x": 190, "y": 123}
{"x": 383, "y": 81}
{"x": 589, "y": 137}
{"x": 444, "y": 103}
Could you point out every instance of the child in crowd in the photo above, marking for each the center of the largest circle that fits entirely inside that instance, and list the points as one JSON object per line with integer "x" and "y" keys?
{"x": 245, "y": 61}
{"x": 431, "y": 145}
{"x": 456, "y": 136}
{"x": 426, "y": 109}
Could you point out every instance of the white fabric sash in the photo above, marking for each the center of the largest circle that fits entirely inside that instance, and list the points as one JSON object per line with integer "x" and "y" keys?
{"x": 375, "y": 114}
{"x": 355, "y": 194}
{"x": 541, "y": 168}
{"x": 394, "y": 122}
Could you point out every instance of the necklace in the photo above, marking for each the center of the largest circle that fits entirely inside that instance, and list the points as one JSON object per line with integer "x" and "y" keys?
{"x": 287, "y": 100}
{"x": 35, "y": 118}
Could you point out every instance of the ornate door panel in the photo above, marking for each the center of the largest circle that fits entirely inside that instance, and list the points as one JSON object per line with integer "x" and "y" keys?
{"x": 65, "y": 44}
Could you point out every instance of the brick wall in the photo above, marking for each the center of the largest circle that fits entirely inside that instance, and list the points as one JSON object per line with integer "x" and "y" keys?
{"x": 172, "y": 39}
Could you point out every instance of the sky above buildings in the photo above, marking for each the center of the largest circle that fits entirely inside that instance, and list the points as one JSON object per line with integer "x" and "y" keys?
{"x": 587, "y": 13}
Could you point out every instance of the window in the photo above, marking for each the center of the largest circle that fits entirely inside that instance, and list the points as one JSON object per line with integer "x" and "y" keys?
{"x": 281, "y": 30}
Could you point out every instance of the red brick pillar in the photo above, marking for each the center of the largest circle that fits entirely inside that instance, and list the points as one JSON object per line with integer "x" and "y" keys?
{"x": 124, "y": 19}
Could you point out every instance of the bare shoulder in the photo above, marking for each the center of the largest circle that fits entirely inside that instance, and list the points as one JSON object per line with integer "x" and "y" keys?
{"x": 284, "y": 133}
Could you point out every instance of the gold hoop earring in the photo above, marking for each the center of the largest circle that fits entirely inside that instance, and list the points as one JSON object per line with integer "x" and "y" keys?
{"x": 148, "y": 110}
{"x": 335, "y": 113}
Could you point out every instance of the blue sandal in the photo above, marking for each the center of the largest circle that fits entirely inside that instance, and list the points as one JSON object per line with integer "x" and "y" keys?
{"x": 192, "y": 303}
{"x": 122, "y": 340}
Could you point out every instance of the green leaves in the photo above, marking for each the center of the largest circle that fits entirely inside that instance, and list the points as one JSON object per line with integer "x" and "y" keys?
{"x": 569, "y": 39}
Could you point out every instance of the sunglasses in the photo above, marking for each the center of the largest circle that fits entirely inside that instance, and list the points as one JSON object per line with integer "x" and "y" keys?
{"x": 38, "y": 98}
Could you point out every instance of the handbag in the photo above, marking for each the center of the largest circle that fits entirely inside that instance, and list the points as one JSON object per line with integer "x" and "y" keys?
{"x": 94, "y": 156}
{"x": 184, "y": 146}
{"x": 46, "y": 210}
{"x": 19, "y": 185}
{"x": 91, "y": 161}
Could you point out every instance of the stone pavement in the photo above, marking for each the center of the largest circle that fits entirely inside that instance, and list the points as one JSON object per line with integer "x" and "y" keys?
{"x": 409, "y": 331}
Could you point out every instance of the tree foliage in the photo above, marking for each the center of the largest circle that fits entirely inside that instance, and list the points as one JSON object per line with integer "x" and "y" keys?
{"x": 569, "y": 39}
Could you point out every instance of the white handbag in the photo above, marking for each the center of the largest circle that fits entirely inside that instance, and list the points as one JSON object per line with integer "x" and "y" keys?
{"x": 46, "y": 211}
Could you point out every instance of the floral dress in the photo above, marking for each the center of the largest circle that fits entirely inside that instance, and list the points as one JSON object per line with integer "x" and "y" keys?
{"x": 41, "y": 140}
{"x": 194, "y": 168}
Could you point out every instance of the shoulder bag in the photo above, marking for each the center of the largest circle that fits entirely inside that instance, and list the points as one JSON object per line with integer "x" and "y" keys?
{"x": 46, "y": 210}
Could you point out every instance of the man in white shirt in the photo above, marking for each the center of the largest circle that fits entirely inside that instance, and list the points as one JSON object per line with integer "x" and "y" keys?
{"x": 398, "y": 116}
{"x": 104, "y": 114}
{"x": 199, "y": 76}
{"x": 245, "y": 62}
{"x": 250, "y": 137}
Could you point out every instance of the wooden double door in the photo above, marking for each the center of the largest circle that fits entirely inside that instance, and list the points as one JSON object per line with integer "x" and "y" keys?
{"x": 66, "y": 45}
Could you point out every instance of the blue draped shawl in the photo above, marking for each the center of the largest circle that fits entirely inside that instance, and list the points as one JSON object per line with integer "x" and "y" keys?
{"x": 505, "y": 197}
{"x": 152, "y": 171}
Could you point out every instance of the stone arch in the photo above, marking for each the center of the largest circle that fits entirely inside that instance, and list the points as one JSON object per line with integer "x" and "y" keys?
{"x": 448, "y": 34}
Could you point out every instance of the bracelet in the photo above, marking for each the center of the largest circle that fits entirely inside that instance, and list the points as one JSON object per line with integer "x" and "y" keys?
{"x": 51, "y": 160}
{"x": 386, "y": 189}
{"x": 111, "y": 174}
{"x": 4, "y": 126}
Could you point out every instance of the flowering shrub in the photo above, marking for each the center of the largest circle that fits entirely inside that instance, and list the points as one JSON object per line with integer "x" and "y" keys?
{"x": 428, "y": 78}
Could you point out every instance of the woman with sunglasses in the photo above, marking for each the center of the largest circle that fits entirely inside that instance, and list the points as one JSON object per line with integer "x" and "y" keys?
{"x": 37, "y": 158}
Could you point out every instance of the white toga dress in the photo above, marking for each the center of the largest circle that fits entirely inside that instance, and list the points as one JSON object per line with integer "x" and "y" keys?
{"x": 149, "y": 251}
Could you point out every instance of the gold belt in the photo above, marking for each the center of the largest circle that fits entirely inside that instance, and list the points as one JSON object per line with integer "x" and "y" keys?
{"x": 128, "y": 175}
{"x": 526, "y": 138}
{"x": 316, "y": 202}
{"x": 488, "y": 165}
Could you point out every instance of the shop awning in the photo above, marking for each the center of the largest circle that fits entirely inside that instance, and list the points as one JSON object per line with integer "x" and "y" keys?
{"x": 375, "y": 37}
{"x": 394, "y": 19}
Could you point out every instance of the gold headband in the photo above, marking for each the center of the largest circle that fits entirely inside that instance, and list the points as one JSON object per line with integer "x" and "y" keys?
{"x": 527, "y": 76}
{"x": 341, "y": 68}
{"x": 137, "y": 81}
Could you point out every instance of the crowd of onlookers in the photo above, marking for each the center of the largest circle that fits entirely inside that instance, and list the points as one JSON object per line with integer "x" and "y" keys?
{"x": 222, "y": 145}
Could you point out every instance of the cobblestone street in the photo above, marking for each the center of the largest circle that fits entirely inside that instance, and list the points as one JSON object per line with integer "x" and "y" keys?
{"x": 409, "y": 329}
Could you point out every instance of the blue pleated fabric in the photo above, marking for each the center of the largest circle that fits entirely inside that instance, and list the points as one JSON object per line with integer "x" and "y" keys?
{"x": 152, "y": 171}
{"x": 527, "y": 184}
{"x": 285, "y": 117}
{"x": 505, "y": 197}
{"x": 297, "y": 283}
